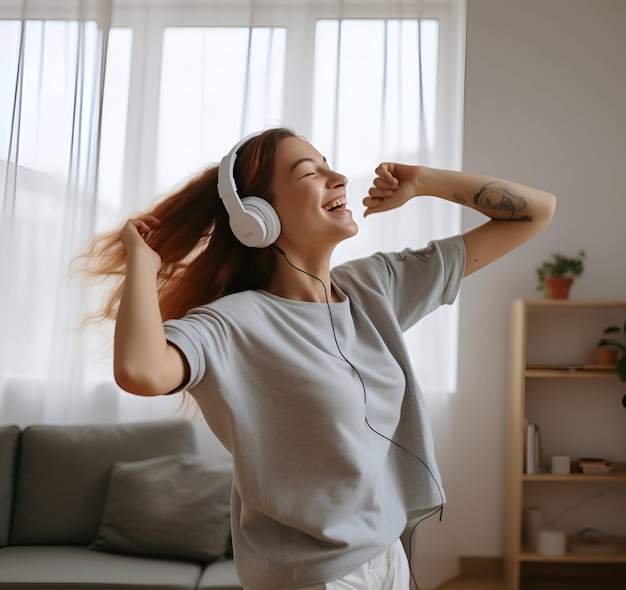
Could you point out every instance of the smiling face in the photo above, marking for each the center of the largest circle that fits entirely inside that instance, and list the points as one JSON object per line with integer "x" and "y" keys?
{"x": 310, "y": 199}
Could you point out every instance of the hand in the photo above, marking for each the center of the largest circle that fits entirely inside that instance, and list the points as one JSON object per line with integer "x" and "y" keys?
{"x": 134, "y": 234}
{"x": 393, "y": 186}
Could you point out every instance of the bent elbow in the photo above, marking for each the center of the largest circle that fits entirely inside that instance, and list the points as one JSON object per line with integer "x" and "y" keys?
{"x": 137, "y": 384}
{"x": 551, "y": 204}
{"x": 547, "y": 211}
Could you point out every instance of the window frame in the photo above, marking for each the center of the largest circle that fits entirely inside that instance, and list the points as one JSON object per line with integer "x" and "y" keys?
{"x": 149, "y": 19}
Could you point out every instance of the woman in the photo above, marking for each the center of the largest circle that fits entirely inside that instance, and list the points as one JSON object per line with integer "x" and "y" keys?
{"x": 300, "y": 371}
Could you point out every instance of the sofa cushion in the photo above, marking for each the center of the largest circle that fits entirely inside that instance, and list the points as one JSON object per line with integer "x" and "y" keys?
{"x": 9, "y": 436}
{"x": 64, "y": 472}
{"x": 56, "y": 567}
{"x": 176, "y": 506}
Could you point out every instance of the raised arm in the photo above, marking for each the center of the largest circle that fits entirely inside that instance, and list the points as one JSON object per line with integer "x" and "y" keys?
{"x": 517, "y": 212}
{"x": 144, "y": 363}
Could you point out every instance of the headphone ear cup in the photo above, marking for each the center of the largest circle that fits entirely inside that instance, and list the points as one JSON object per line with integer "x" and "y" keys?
{"x": 266, "y": 216}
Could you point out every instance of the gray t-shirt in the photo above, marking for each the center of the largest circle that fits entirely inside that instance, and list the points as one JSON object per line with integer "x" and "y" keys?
{"x": 319, "y": 488}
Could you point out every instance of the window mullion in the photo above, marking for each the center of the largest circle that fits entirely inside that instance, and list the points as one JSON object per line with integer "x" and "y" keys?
{"x": 299, "y": 70}
{"x": 143, "y": 109}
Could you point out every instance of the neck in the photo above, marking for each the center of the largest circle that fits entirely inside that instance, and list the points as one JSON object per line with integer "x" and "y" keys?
{"x": 301, "y": 279}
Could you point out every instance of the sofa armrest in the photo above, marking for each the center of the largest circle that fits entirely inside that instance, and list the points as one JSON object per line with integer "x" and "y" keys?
{"x": 9, "y": 439}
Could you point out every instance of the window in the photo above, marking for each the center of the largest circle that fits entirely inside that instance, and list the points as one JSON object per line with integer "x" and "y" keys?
{"x": 107, "y": 105}
{"x": 212, "y": 77}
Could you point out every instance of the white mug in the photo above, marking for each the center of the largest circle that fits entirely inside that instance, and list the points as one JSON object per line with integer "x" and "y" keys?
{"x": 560, "y": 464}
{"x": 551, "y": 542}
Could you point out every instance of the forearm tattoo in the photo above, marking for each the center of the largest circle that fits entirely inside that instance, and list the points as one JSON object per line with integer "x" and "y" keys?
{"x": 500, "y": 202}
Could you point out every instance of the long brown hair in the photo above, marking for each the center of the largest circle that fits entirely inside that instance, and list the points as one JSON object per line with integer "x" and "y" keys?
{"x": 202, "y": 260}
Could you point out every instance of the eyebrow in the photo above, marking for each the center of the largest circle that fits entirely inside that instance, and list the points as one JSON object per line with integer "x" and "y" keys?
{"x": 301, "y": 160}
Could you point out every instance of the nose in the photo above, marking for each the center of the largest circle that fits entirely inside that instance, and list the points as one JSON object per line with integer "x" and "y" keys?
{"x": 337, "y": 179}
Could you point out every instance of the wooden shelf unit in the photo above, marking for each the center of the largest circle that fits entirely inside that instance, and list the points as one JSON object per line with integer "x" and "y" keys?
{"x": 528, "y": 321}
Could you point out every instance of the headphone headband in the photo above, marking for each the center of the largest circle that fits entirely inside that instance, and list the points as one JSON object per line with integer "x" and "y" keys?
{"x": 252, "y": 219}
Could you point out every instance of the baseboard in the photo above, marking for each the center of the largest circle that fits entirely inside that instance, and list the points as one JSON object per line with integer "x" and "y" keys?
{"x": 480, "y": 566}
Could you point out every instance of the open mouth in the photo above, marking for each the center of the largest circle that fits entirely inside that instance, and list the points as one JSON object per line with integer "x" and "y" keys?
{"x": 335, "y": 204}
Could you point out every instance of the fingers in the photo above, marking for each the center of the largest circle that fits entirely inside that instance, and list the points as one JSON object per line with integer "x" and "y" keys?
{"x": 384, "y": 172}
{"x": 376, "y": 205}
{"x": 372, "y": 205}
{"x": 379, "y": 200}
{"x": 385, "y": 178}
{"x": 385, "y": 182}
{"x": 136, "y": 232}
{"x": 384, "y": 186}
{"x": 144, "y": 224}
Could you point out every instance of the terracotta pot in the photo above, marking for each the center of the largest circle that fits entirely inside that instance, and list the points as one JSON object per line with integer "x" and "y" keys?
{"x": 558, "y": 287}
{"x": 606, "y": 356}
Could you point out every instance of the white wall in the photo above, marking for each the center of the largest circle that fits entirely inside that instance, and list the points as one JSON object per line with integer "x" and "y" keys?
{"x": 545, "y": 105}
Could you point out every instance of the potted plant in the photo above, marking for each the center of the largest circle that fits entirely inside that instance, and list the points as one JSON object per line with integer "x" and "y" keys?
{"x": 557, "y": 274}
{"x": 619, "y": 347}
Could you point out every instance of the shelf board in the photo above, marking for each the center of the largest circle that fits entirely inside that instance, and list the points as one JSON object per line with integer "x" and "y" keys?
{"x": 570, "y": 372}
{"x": 570, "y": 303}
{"x": 528, "y": 555}
{"x": 614, "y": 477}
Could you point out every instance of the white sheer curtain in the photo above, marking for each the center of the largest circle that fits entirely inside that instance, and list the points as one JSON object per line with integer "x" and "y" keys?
{"x": 106, "y": 105}
{"x": 376, "y": 99}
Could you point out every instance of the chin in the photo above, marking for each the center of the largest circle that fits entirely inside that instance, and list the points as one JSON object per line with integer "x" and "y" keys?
{"x": 351, "y": 232}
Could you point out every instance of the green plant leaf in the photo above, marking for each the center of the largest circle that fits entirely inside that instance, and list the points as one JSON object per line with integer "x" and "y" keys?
{"x": 611, "y": 330}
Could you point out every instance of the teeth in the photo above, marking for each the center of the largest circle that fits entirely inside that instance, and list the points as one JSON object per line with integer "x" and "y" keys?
{"x": 335, "y": 203}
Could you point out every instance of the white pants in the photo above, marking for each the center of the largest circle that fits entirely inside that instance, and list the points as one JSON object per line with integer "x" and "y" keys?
{"x": 387, "y": 571}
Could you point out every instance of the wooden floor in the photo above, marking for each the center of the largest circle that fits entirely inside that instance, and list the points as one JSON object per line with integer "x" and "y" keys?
{"x": 485, "y": 573}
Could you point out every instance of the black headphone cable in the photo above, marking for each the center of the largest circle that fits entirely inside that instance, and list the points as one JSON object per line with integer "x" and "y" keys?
{"x": 424, "y": 464}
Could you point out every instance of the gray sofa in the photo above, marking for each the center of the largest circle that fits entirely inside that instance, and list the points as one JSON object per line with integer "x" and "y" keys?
{"x": 120, "y": 507}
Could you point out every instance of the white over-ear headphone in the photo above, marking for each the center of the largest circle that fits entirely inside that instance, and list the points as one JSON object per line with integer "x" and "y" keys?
{"x": 253, "y": 220}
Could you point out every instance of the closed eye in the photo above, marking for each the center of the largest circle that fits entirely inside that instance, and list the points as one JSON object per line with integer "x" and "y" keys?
{"x": 310, "y": 161}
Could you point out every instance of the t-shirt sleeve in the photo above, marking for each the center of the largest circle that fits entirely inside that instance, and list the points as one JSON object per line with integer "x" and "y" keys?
{"x": 203, "y": 337}
{"x": 413, "y": 282}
